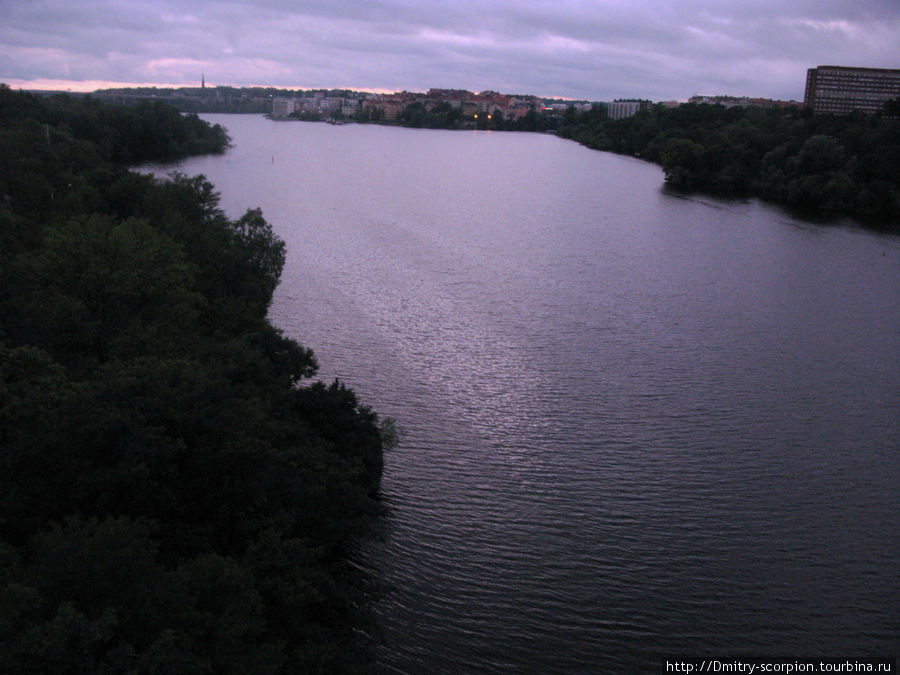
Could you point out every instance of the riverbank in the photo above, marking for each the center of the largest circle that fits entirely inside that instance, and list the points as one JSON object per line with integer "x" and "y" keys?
{"x": 176, "y": 493}
{"x": 822, "y": 165}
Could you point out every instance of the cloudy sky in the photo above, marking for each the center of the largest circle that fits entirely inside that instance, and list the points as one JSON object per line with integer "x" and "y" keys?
{"x": 583, "y": 49}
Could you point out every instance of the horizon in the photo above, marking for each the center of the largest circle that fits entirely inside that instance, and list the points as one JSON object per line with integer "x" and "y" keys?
{"x": 93, "y": 86}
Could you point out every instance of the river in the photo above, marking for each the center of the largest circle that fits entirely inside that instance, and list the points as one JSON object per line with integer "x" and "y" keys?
{"x": 633, "y": 423}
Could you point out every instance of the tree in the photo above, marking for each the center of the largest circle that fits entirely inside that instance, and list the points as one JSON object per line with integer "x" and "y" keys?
{"x": 101, "y": 289}
{"x": 682, "y": 160}
{"x": 171, "y": 498}
{"x": 820, "y": 154}
{"x": 261, "y": 252}
{"x": 824, "y": 163}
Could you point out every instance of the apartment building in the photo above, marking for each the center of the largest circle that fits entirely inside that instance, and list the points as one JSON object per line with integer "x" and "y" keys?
{"x": 841, "y": 90}
{"x": 282, "y": 107}
{"x": 622, "y": 108}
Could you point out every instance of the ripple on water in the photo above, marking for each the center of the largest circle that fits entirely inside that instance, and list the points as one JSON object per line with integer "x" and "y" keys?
{"x": 632, "y": 424}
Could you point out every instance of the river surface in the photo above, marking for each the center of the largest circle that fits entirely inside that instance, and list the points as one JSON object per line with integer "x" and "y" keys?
{"x": 633, "y": 424}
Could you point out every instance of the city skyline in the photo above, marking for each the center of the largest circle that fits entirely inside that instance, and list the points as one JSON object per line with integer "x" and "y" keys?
{"x": 571, "y": 49}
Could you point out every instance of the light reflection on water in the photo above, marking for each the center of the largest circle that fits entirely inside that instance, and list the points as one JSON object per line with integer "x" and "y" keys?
{"x": 633, "y": 424}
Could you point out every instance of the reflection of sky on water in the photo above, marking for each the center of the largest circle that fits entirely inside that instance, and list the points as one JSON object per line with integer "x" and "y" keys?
{"x": 624, "y": 413}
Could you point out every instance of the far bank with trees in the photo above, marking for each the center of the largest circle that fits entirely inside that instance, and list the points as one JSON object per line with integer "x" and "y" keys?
{"x": 820, "y": 165}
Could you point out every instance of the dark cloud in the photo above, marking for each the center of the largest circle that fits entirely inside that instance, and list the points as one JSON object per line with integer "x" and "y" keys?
{"x": 595, "y": 49}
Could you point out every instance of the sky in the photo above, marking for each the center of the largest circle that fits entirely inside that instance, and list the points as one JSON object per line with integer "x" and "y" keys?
{"x": 597, "y": 50}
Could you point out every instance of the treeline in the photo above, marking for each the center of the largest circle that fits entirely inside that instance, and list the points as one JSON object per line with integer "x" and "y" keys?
{"x": 233, "y": 105}
{"x": 230, "y": 100}
{"x": 174, "y": 498}
{"x": 147, "y": 131}
{"x": 820, "y": 164}
{"x": 445, "y": 116}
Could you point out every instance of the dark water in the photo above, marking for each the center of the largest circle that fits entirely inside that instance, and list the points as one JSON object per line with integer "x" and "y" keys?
{"x": 633, "y": 424}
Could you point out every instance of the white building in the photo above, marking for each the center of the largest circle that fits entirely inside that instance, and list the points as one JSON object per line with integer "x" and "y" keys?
{"x": 283, "y": 107}
{"x": 618, "y": 110}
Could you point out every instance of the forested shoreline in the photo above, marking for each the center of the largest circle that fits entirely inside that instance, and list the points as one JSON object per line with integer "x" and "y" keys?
{"x": 820, "y": 165}
{"x": 176, "y": 493}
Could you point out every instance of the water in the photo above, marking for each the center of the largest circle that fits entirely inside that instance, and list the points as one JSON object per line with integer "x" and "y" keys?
{"x": 633, "y": 424}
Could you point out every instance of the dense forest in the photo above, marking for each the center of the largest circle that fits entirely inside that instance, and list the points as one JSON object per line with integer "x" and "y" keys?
{"x": 176, "y": 494}
{"x": 819, "y": 164}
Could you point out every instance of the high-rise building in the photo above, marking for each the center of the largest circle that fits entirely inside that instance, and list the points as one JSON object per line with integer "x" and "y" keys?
{"x": 840, "y": 90}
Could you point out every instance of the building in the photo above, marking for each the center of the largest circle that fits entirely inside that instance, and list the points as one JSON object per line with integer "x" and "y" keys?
{"x": 389, "y": 107}
{"x": 282, "y": 107}
{"x": 742, "y": 102}
{"x": 726, "y": 101}
{"x": 840, "y": 90}
{"x": 622, "y": 108}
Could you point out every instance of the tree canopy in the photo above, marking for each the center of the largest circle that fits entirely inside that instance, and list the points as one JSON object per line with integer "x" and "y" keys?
{"x": 820, "y": 164}
{"x": 175, "y": 496}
